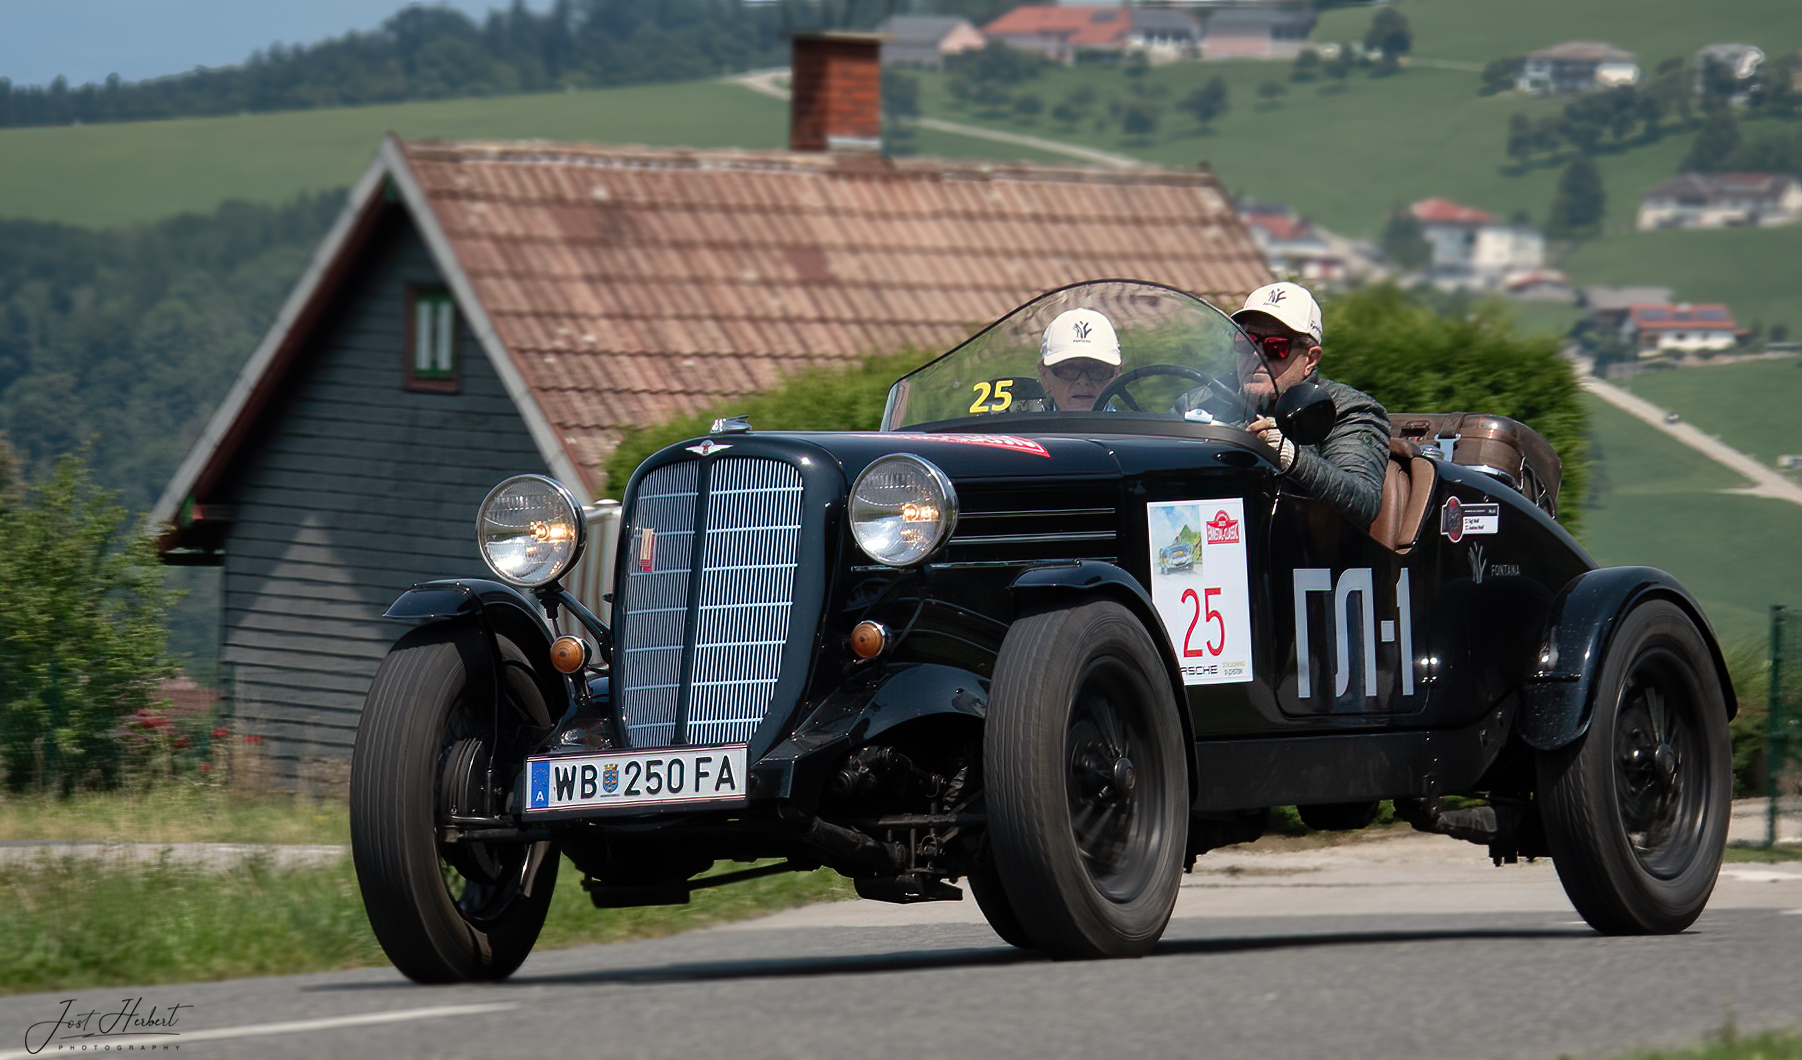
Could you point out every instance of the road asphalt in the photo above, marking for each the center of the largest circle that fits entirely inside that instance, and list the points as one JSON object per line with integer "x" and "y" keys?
{"x": 1384, "y": 946}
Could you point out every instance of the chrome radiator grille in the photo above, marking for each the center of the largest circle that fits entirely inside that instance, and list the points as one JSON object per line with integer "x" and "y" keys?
{"x": 701, "y": 636}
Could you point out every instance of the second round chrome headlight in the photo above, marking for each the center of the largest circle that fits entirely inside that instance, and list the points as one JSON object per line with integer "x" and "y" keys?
{"x": 902, "y": 509}
{"x": 530, "y": 530}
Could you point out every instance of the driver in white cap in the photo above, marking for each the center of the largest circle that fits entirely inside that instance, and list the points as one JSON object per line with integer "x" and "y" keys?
{"x": 1346, "y": 470}
{"x": 1078, "y": 357}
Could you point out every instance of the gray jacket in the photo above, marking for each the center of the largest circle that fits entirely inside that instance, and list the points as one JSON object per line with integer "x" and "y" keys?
{"x": 1347, "y": 469}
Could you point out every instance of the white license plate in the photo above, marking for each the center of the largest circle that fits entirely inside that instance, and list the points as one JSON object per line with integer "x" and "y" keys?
{"x": 681, "y": 776}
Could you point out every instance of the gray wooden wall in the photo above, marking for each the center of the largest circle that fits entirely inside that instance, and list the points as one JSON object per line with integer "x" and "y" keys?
{"x": 351, "y": 490}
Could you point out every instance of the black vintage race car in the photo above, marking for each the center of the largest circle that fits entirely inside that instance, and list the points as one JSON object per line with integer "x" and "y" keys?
{"x": 1055, "y": 654}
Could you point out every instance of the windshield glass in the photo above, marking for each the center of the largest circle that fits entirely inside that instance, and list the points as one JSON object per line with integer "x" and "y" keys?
{"x": 1112, "y": 346}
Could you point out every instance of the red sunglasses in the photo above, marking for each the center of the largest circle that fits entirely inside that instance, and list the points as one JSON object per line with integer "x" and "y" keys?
{"x": 1276, "y": 347}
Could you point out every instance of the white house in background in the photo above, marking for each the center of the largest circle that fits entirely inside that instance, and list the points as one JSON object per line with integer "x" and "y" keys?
{"x": 1256, "y": 32}
{"x": 925, "y": 40}
{"x": 1164, "y": 34}
{"x": 1576, "y": 66}
{"x": 1472, "y": 249}
{"x": 1297, "y": 247}
{"x": 1721, "y": 200}
{"x": 1680, "y": 328}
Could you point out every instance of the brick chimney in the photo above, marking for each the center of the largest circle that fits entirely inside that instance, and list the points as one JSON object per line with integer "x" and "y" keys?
{"x": 835, "y": 92}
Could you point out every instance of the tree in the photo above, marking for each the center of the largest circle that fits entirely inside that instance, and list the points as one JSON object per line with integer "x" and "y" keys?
{"x": 1271, "y": 91}
{"x": 1139, "y": 119}
{"x": 1521, "y": 142}
{"x": 1499, "y": 74}
{"x": 1715, "y": 141}
{"x": 1339, "y": 65}
{"x": 1206, "y": 103}
{"x": 82, "y": 638}
{"x": 1028, "y": 106}
{"x": 900, "y": 106}
{"x": 1773, "y": 152}
{"x": 1403, "y": 242}
{"x": 1581, "y": 201}
{"x": 1307, "y": 65}
{"x": 1409, "y": 356}
{"x": 1389, "y": 34}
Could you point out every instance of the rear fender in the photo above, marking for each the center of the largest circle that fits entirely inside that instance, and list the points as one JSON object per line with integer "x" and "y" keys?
{"x": 1558, "y": 696}
{"x": 1043, "y": 588}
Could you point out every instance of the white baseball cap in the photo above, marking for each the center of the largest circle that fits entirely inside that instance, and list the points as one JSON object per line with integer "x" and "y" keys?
{"x": 1289, "y": 304}
{"x": 1080, "y": 333}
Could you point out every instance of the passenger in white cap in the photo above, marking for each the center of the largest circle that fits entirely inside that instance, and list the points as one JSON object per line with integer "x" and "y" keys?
{"x": 1283, "y": 325}
{"x": 1078, "y": 357}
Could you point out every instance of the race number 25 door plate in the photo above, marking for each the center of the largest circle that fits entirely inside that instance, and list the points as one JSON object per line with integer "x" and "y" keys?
{"x": 636, "y": 780}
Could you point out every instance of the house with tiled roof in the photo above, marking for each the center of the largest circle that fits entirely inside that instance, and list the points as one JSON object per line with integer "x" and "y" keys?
{"x": 485, "y": 309}
{"x": 1683, "y": 328}
{"x": 1576, "y": 66}
{"x": 1721, "y": 200}
{"x": 925, "y": 40}
{"x": 1059, "y": 31}
{"x": 1471, "y": 248}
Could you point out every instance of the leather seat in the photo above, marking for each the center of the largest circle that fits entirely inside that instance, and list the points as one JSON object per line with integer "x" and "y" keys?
{"x": 1407, "y": 492}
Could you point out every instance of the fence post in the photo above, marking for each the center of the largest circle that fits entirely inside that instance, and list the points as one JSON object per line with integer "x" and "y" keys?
{"x": 1774, "y": 751}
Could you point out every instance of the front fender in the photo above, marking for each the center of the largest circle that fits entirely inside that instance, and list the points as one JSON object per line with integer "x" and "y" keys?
{"x": 1066, "y": 586}
{"x": 1558, "y": 697}
{"x": 495, "y": 606}
{"x": 853, "y": 716}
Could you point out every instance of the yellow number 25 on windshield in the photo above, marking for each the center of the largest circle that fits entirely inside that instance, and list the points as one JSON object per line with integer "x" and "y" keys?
{"x": 993, "y": 396}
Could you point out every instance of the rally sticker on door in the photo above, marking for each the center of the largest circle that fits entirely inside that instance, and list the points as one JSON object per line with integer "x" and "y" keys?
{"x": 1200, "y": 587}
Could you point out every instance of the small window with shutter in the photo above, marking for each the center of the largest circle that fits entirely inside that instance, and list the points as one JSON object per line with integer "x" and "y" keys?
{"x": 431, "y": 340}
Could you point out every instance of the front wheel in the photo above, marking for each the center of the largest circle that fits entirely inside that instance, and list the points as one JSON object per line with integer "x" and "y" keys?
{"x": 1087, "y": 782}
{"x": 1636, "y": 809}
{"x": 447, "y": 911}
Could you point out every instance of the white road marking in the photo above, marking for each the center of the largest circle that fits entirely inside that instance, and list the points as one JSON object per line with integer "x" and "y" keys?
{"x": 260, "y": 1030}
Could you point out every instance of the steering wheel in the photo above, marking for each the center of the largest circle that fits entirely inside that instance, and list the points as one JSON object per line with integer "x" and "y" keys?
{"x": 1117, "y": 388}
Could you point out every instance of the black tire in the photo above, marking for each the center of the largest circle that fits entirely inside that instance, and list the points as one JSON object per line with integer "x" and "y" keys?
{"x": 1636, "y": 810}
{"x": 991, "y": 898}
{"x": 1087, "y": 782}
{"x": 446, "y": 912}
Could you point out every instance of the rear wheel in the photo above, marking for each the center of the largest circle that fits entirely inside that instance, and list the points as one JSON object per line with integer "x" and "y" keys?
{"x": 1087, "y": 782}
{"x": 1636, "y": 809}
{"x": 447, "y": 912}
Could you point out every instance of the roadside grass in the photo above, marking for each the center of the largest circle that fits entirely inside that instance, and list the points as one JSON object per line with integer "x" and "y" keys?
{"x": 172, "y": 811}
{"x": 1659, "y": 503}
{"x": 72, "y": 922}
{"x": 1780, "y": 852}
{"x": 1728, "y": 1044}
{"x": 1754, "y": 406}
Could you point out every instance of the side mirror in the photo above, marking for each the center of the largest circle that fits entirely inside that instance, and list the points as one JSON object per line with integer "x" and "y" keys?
{"x": 1305, "y": 414}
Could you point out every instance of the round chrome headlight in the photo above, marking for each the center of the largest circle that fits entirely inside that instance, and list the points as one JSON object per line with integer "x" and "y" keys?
{"x": 902, "y": 509}
{"x": 530, "y": 530}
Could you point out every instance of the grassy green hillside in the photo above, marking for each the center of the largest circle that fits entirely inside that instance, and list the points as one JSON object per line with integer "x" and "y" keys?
{"x": 102, "y": 175}
{"x": 1345, "y": 158}
{"x": 1754, "y": 406}
{"x": 1480, "y": 30}
{"x": 1655, "y": 501}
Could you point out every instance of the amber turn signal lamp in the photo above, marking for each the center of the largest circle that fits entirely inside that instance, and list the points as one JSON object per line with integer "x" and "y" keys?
{"x": 569, "y": 654}
{"x": 868, "y": 639}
